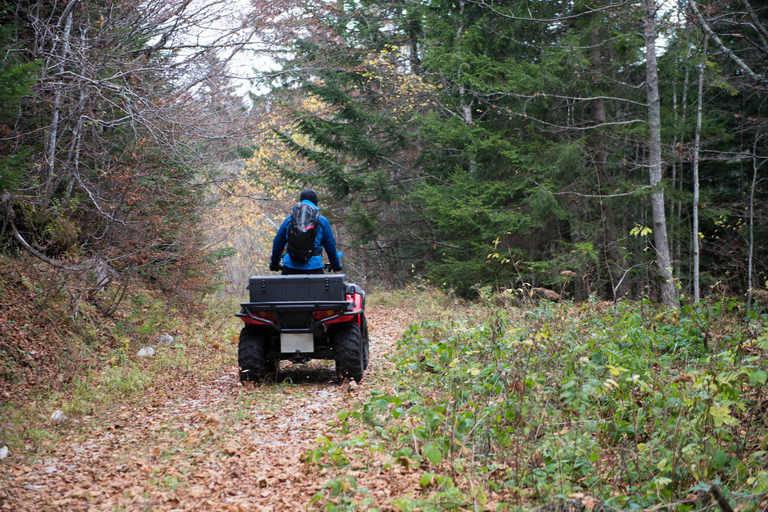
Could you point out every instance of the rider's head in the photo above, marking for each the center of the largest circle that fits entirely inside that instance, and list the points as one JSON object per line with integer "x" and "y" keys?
{"x": 309, "y": 195}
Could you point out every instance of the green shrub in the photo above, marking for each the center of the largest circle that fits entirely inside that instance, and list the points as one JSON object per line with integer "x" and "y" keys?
{"x": 636, "y": 406}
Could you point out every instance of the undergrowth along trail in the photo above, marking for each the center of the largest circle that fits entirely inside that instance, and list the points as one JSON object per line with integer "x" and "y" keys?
{"x": 628, "y": 408}
{"x": 465, "y": 406}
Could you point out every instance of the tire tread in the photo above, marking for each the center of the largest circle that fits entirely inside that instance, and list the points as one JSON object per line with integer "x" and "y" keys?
{"x": 347, "y": 345}
{"x": 251, "y": 352}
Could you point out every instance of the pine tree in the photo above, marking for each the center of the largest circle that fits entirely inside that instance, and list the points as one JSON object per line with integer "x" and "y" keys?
{"x": 16, "y": 78}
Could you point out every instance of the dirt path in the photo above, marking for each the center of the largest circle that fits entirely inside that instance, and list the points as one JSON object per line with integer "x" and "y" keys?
{"x": 212, "y": 445}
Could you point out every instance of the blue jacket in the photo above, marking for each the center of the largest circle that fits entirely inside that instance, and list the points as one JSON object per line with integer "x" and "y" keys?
{"x": 324, "y": 239}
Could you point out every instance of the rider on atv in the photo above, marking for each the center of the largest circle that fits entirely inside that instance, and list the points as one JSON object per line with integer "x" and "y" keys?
{"x": 306, "y": 233}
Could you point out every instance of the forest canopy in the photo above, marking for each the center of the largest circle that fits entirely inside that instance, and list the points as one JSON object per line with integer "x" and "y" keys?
{"x": 599, "y": 149}
{"x": 514, "y": 145}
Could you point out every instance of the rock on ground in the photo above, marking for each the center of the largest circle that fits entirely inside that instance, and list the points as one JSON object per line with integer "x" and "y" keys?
{"x": 146, "y": 352}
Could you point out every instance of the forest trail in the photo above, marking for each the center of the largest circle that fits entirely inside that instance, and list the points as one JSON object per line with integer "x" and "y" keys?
{"x": 206, "y": 445}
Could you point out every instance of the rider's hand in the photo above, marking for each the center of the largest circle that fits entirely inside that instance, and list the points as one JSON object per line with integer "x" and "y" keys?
{"x": 274, "y": 267}
{"x": 336, "y": 269}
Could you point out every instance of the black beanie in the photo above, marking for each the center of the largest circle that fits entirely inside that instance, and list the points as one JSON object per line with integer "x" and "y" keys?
{"x": 309, "y": 195}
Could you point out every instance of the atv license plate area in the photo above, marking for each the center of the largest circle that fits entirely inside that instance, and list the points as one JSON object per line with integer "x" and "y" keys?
{"x": 291, "y": 342}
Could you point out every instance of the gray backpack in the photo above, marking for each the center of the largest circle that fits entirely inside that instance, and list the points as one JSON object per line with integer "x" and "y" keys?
{"x": 302, "y": 232}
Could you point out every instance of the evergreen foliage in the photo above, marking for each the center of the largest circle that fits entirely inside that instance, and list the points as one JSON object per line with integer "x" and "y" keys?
{"x": 16, "y": 78}
{"x": 523, "y": 151}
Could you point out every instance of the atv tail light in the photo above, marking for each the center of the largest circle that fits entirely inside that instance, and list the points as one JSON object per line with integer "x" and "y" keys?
{"x": 267, "y": 315}
{"x": 325, "y": 313}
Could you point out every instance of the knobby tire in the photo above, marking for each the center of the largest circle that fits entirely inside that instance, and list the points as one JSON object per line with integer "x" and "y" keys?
{"x": 251, "y": 354}
{"x": 348, "y": 348}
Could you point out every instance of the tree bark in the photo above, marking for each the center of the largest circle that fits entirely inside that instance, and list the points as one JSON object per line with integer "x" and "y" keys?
{"x": 696, "y": 147}
{"x": 414, "y": 33}
{"x": 751, "y": 264}
{"x": 52, "y": 140}
{"x": 464, "y": 95}
{"x": 663, "y": 259}
{"x": 679, "y": 181}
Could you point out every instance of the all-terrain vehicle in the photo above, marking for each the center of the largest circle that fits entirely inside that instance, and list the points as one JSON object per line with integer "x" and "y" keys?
{"x": 303, "y": 317}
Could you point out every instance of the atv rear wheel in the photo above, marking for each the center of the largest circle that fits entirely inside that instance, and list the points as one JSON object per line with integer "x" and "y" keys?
{"x": 348, "y": 348}
{"x": 366, "y": 348}
{"x": 251, "y": 354}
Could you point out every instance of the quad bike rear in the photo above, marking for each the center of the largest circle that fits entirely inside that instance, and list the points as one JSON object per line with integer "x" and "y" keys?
{"x": 303, "y": 317}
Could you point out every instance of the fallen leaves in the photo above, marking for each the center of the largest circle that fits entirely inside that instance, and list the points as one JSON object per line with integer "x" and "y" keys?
{"x": 589, "y": 502}
{"x": 208, "y": 444}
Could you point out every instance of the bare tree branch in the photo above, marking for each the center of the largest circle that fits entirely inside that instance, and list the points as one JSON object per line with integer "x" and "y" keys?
{"x": 727, "y": 51}
{"x": 595, "y": 196}
{"x": 604, "y": 8}
{"x": 759, "y": 27}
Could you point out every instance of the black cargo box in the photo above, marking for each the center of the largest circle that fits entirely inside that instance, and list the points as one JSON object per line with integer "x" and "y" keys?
{"x": 311, "y": 288}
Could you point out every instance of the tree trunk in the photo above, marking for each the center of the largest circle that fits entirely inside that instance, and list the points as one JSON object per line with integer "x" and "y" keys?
{"x": 696, "y": 146}
{"x": 679, "y": 182}
{"x": 663, "y": 259}
{"x": 53, "y": 131}
{"x": 465, "y": 96}
{"x": 414, "y": 33}
{"x": 608, "y": 221}
{"x": 750, "y": 262}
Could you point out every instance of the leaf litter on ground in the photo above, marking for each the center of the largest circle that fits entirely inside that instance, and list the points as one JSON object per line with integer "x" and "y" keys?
{"x": 202, "y": 441}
